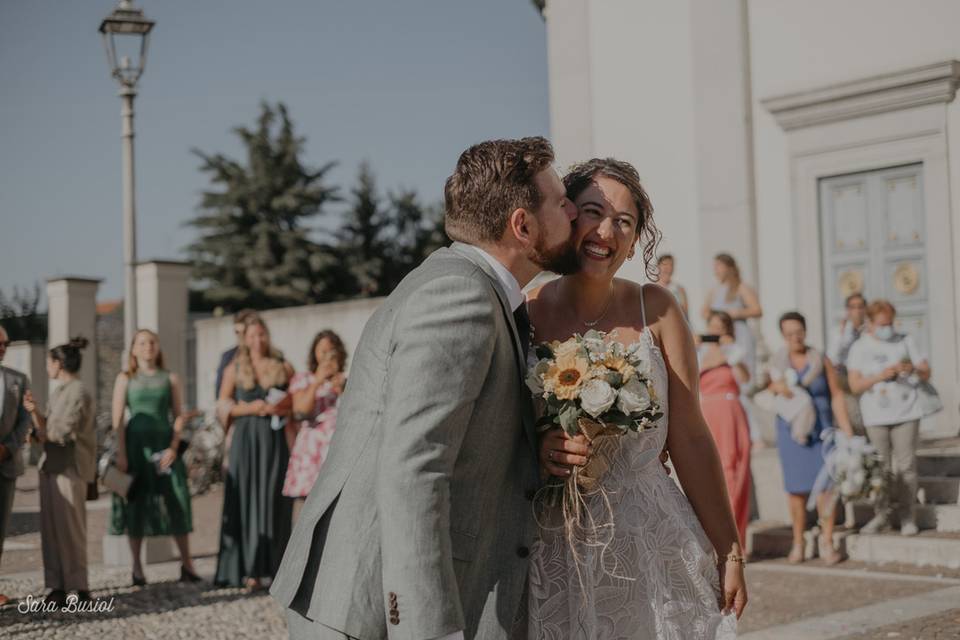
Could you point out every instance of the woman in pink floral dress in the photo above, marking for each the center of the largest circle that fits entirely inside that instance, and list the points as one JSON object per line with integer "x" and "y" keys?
{"x": 315, "y": 394}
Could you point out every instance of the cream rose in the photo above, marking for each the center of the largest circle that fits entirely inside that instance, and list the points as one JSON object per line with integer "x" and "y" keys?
{"x": 634, "y": 397}
{"x": 596, "y": 397}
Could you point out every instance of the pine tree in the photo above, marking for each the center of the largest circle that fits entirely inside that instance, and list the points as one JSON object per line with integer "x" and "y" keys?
{"x": 361, "y": 240}
{"x": 416, "y": 231}
{"x": 255, "y": 248}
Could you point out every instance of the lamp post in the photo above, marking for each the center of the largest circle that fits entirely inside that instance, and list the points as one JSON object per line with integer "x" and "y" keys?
{"x": 126, "y": 33}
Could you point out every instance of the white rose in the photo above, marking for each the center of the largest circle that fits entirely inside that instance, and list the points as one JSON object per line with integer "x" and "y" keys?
{"x": 634, "y": 397}
{"x": 535, "y": 376}
{"x": 596, "y": 397}
{"x": 565, "y": 349}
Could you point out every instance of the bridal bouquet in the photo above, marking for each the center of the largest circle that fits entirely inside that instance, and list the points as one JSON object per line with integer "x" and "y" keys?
{"x": 597, "y": 387}
{"x": 856, "y": 470}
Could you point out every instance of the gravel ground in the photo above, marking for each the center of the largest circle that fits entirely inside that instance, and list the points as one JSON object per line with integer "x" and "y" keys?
{"x": 164, "y": 608}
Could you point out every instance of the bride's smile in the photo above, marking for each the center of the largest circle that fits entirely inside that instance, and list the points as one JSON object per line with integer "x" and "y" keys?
{"x": 606, "y": 228}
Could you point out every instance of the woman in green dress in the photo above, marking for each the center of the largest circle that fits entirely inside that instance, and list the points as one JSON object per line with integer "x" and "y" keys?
{"x": 256, "y": 517}
{"x": 158, "y": 503}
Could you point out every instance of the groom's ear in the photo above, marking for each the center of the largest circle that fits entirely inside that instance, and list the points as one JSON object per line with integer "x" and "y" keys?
{"x": 519, "y": 225}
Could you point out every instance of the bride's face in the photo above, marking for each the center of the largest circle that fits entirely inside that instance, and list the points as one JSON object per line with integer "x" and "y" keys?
{"x": 606, "y": 229}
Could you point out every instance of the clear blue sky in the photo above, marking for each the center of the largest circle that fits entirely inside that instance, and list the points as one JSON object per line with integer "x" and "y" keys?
{"x": 406, "y": 85}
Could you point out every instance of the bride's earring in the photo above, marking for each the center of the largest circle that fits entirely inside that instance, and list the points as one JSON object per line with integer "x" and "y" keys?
{"x": 630, "y": 256}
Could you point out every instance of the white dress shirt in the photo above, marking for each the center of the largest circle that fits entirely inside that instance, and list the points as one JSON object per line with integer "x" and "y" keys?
{"x": 516, "y": 298}
{"x": 507, "y": 280}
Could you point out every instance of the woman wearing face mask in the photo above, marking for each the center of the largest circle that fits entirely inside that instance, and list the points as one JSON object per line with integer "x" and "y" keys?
{"x": 885, "y": 367}
{"x": 67, "y": 466}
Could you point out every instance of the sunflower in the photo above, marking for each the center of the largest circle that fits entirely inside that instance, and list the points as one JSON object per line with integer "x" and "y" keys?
{"x": 620, "y": 365}
{"x": 566, "y": 375}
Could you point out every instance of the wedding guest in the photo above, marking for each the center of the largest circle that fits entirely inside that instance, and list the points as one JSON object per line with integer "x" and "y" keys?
{"x": 665, "y": 265}
{"x": 885, "y": 367}
{"x": 722, "y": 371}
{"x": 807, "y": 382}
{"x": 239, "y": 322}
{"x": 159, "y": 500}
{"x": 14, "y": 427}
{"x": 315, "y": 394}
{"x": 65, "y": 469}
{"x": 256, "y": 517}
{"x": 738, "y": 299}
{"x": 853, "y": 325}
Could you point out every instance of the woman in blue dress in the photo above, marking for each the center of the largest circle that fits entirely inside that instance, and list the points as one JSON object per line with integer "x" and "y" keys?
{"x": 799, "y": 371}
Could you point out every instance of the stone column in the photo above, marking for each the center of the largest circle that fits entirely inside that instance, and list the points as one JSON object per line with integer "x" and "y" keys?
{"x": 72, "y": 312}
{"x": 162, "y": 307}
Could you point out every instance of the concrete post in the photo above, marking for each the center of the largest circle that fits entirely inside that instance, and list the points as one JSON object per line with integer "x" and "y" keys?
{"x": 162, "y": 288}
{"x": 72, "y": 312}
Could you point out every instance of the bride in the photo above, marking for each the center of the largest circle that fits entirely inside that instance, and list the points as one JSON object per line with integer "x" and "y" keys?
{"x": 670, "y": 565}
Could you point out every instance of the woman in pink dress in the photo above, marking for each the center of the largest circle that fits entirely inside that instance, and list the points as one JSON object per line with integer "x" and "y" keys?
{"x": 315, "y": 394}
{"x": 722, "y": 371}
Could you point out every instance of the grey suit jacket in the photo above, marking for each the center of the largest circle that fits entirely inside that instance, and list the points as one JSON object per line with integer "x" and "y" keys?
{"x": 14, "y": 421}
{"x": 421, "y": 520}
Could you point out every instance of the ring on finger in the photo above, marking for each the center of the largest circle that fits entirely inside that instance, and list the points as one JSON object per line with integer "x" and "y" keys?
{"x": 550, "y": 456}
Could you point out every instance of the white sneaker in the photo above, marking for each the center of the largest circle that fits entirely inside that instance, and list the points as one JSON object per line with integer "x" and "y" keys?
{"x": 909, "y": 528}
{"x": 876, "y": 525}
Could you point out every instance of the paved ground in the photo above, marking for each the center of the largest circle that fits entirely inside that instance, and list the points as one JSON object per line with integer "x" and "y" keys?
{"x": 852, "y": 601}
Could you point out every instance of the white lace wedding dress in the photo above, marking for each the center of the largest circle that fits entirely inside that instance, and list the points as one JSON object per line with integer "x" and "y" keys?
{"x": 655, "y": 576}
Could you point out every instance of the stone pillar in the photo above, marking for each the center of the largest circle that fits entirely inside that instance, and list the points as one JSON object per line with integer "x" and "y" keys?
{"x": 162, "y": 307}
{"x": 724, "y": 135}
{"x": 72, "y": 312}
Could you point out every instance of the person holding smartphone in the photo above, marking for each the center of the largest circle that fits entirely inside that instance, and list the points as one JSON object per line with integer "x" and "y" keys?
{"x": 885, "y": 368}
{"x": 722, "y": 372}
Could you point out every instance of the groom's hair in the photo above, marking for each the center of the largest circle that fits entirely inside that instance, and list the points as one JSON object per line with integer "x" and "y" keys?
{"x": 491, "y": 181}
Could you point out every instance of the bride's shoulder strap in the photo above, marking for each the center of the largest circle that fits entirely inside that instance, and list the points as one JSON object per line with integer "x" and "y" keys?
{"x": 643, "y": 309}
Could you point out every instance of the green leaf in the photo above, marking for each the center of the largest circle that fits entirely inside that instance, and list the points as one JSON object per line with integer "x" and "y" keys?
{"x": 568, "y": 419}
{"x": 543, "y": 351}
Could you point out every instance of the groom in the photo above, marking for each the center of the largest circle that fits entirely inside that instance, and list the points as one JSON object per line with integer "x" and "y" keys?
{"x": 420, "y": 523}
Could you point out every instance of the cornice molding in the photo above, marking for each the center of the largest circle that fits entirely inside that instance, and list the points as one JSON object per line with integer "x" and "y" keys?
{"x": 878, "y": 94}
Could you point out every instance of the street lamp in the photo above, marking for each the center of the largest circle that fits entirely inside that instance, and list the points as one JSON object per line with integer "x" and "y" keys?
{"x": 125, "y": 35}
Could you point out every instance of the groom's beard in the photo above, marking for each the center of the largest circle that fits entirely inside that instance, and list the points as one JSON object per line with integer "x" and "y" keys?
{"x": 561, "y": 259}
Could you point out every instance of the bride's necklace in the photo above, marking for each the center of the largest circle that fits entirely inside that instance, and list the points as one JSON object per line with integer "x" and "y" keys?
{"x": 606, "y": 307}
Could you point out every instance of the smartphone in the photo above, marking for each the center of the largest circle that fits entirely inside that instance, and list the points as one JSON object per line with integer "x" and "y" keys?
{"x": 705, "y": 338}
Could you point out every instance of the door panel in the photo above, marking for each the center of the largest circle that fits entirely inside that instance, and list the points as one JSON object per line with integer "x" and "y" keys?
{"x": 873, "y": 241}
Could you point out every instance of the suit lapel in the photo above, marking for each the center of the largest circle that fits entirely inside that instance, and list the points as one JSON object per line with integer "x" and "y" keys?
{"x": 10, "y": 403}
{"x": 471, "y": 254}
{"x": 529, "y": 426}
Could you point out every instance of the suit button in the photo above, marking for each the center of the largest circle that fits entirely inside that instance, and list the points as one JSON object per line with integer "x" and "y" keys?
{"x": 531, "y": 494}
{"x": 523, "y": 552}
{"x": 394, "y": 620}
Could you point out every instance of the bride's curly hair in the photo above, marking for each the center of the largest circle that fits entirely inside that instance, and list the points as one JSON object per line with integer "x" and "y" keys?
{"x": 581, "y": 175}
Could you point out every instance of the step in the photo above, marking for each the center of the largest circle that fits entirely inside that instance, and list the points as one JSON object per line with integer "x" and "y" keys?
{"x": 939, "y": 464}
{"x": 922, "y": 550}
{"x": 944, "y": 518}
{"x": 927, "y": 549}
{"x": 939, "y": 490}
{"x": 771, "y": 540}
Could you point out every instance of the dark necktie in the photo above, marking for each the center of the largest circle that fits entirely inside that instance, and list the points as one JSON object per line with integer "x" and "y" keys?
{"x": 523, "y": 327}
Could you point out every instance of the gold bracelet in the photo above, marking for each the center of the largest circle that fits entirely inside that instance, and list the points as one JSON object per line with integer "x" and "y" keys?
{"x": 735, "y": 558}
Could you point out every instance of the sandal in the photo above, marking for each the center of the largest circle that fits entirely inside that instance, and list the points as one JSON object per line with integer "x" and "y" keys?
{"x": 796, "y": 554}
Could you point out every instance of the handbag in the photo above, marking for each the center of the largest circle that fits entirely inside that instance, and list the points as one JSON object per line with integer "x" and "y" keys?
{"x": 119, "y": 482}
{"x": 928, "y": 400}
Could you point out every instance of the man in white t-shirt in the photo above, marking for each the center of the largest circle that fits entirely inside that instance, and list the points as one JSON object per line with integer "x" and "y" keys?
{"x": 885, "y": 367}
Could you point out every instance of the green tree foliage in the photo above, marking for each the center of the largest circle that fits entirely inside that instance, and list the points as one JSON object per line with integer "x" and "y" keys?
{"x": 255, "y": 247}
{"x": 19, "y": 315}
